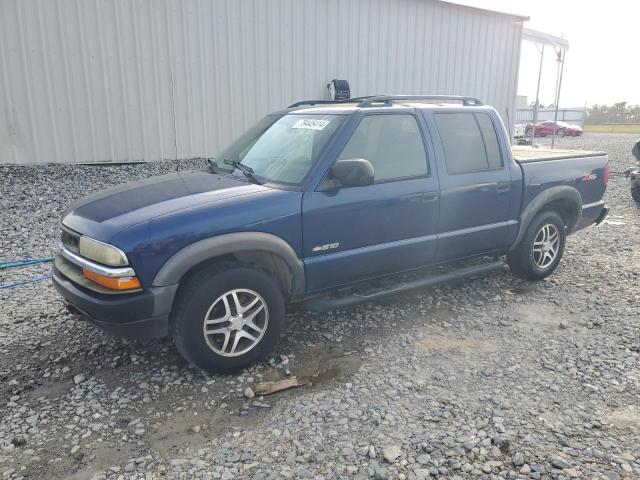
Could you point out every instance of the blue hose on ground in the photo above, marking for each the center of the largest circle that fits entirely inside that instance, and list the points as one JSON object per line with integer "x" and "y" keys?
{"x": 25, "y": 282}
{"x": 24, "y": 263}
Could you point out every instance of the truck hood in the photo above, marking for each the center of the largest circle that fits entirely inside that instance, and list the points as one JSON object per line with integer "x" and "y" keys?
{"x": 104, "y": 214}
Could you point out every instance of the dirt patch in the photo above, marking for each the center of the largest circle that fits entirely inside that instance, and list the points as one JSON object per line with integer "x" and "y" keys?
{"x": 50, "y": 390}
{"x": 56, "y": 464}
{"x": 627, "y": 419}
{"x": 324, "y": 364}
{"x": 454, "y": 344}
{"x": 544, "y": 316}
{"x": 188, "y": 429}
{"x": 102, "y": 458}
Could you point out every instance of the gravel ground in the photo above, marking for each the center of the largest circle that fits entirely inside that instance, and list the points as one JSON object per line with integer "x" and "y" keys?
{"x": 493, "y": 378}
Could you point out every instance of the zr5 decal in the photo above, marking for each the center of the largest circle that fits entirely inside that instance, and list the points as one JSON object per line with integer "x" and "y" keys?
{"x": 329, "y": 246}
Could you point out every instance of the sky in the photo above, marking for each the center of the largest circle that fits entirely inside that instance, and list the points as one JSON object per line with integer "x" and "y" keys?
{"x": 603, "y": 61}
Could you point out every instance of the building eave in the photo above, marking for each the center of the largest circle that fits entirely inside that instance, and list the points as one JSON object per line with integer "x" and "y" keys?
{"x": 516, "y": 16}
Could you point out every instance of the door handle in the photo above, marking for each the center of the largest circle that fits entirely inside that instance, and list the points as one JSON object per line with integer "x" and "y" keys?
{"x": 429, "y": 196}
{"x": 504, "y": 187}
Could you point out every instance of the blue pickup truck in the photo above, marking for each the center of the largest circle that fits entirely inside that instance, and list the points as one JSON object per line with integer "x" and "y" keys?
{"x": 311, "y": 199}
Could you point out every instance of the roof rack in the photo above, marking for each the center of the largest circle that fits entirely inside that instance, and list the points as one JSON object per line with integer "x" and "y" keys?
{"x": 370, "y": 100}
{"x": 313, "y": 102}
{"x": 329, "y": 102}
{"x": 389, "y": 99}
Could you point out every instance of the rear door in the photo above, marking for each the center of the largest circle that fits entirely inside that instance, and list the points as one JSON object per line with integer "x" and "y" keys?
{"x": 350, "y": 234}
{"x": 475, "y": 185}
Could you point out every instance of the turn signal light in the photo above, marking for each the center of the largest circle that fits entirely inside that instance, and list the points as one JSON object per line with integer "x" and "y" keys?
{"x": 112, "y": 283}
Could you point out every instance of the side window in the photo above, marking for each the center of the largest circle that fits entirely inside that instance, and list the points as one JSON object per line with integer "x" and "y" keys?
{"x": 462, "y": 142}
{"x": 392, "y": 143}
{"x": 490, "y": 140}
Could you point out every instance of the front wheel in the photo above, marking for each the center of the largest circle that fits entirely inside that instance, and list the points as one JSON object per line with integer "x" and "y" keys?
{"x": 560, "y": 132}
{"x": 540, "y": 250}
{"x": 227, "y": 318}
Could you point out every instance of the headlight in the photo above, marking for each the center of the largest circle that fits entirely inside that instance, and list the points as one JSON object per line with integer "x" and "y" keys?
{"x": 102, "y": 252}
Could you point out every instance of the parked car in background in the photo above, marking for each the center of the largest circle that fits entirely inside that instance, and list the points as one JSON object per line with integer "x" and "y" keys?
{"x": 311, "y": 199}
{"x": 559, "y": 129}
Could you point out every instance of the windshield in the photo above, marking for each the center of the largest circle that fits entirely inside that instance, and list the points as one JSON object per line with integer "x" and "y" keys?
{"x": 281, "y": 149}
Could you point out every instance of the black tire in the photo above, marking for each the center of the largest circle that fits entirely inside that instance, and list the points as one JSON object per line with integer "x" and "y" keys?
{"x": 527, "y": 132}
{"x": 560, "y": 132}
{"x": 198, "y": 295}
{"x": 521, "y": 260}
{"x": 635, "y": 194}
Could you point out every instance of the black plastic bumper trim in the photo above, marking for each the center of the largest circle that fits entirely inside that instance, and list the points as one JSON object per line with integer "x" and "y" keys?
{"x": 602, "y": 216}
{"x": 129, "y": 316}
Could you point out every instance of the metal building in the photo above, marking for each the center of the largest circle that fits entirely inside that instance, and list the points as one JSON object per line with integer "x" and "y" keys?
{"x": 130, "y": 80}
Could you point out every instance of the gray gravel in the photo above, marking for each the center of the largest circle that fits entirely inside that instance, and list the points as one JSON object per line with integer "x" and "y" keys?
{"x": 494, "y": 378}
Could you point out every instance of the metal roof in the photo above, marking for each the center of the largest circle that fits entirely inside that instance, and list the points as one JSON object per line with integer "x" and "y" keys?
{"x": 545, "y": 39}
{"x": 471, "y": 6}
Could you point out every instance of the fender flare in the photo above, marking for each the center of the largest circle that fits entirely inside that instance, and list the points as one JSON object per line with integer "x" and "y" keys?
{"x": 544, "y": 198}
{"x": 196, "y": 253}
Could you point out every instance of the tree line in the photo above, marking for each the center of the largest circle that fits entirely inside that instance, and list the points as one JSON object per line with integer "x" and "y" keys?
{"x": 620, "y": 112}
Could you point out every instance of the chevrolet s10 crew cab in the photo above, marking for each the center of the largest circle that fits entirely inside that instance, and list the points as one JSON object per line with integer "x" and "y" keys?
{"x": 311, "y": 199}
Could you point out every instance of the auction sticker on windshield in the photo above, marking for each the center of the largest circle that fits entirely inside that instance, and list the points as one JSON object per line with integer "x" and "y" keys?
{"x": 311, "y": 124}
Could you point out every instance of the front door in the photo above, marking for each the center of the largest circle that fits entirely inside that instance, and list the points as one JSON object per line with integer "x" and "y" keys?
{"x": 353, "y": 233}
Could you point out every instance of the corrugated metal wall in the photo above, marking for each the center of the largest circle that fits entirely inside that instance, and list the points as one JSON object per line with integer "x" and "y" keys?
{"x": 127, "y": 80}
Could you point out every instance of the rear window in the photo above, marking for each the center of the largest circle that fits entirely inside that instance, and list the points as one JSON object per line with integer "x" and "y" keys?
{"x": 469, "y": 142}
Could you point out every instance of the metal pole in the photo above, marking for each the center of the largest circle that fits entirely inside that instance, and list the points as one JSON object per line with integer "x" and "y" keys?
{"x": 535, "y": 108}
{"x": 555, "y": 117}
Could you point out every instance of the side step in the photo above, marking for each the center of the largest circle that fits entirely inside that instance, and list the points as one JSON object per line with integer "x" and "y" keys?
{"x": 323, "y": 304}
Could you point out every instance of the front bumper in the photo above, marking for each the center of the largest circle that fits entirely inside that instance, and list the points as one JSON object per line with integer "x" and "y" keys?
{"x": 142, "y": 314}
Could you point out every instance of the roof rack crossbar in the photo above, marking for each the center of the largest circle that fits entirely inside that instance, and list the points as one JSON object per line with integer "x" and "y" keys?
{"x": 328, "y": 102}
{"x": 312, "y": 102}
{"x": 389, "y": 99}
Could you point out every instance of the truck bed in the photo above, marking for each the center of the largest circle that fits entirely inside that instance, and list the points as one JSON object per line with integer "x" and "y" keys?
{"x": 525, "y": 154}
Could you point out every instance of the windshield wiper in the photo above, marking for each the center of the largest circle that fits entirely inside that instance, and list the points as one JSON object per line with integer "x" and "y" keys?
{"x": 245, "y": 169}
{"x": 213, "y": 166}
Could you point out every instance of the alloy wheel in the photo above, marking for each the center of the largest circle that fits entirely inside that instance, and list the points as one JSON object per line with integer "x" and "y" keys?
{"x": 236, "y": 322}
{"x": 545, "y": 246}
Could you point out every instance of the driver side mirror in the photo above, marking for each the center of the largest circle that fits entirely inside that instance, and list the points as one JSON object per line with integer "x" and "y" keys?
{"x": 347, "y": 173}
{"x": 636, "y": 150}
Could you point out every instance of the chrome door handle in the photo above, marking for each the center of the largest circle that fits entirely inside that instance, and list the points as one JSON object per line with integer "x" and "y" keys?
{"x": 504, "y": 187}
{"x": 429, "y": 196}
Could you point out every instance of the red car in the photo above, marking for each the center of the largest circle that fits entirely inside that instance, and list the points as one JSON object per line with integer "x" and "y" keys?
{"x": 560, "y": 129}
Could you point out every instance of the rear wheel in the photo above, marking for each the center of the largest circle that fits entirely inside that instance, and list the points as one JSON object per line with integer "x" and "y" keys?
{"x": 227, "y": 318}
{"x": 635, "y": 194}
{"x": 560, "y": 132}
{"x": 541, "y": 248}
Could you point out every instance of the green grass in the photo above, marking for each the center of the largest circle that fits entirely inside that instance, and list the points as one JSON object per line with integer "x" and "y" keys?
{"x": 613, "y": 128}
